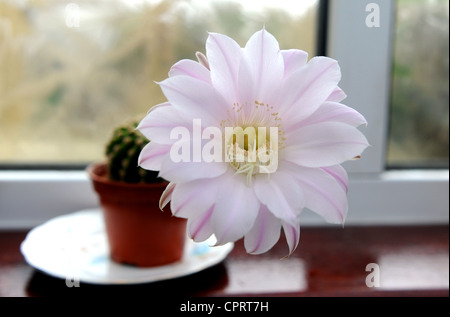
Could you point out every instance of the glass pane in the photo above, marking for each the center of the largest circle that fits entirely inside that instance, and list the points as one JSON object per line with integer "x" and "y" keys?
{"x": 420, "y": 101}
{"x": 72, "y": 71}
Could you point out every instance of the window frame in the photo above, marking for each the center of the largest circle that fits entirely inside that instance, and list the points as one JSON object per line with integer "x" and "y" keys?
{"x": 377, "y": 196}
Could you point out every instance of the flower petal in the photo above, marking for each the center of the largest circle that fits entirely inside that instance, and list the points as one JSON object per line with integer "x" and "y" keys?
{"x": 199, "y": 227}
{"x": 292, "y": 233}
{"x": 332, "y": 112}
{"x": 340, "y": 174}
{"x": 195, "y": 98}
{"x": 264, "y": 233}
{"x": 324, "y": 144}
{"x": 202, "y": 59}
{"x": 166, "y": 196}
{"x": 235, "y": 211}
{"x": 306, "y": 89}
{"x": 336, "y": 112}
{"x": 281, "y": 193}
{"x": 160, "y": 121}
{"x": 224, "y": 56}
{"x": 337, "y": 95}
{"x": 293, "y": 60}
{"x": 153, "y": 155}
{"x": 323, "y": 194}
{"x": 190, "y": 68}
{"x": 194, "y": 198}
{"x": 181, "y": 172}
{"x": 261, "y": 70}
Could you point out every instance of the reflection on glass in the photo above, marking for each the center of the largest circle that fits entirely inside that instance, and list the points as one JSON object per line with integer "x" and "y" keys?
{"x": 420, "y": 96}
{"x": 414, "y": 271}
{"x": 266, "y": 276}
{"x": 73, "y": 70}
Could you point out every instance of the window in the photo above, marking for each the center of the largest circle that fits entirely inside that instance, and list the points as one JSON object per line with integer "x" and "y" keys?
{"x": 418, "y": 130}
{"x": 365, "y": 53}
{"x": 72, "y": 71}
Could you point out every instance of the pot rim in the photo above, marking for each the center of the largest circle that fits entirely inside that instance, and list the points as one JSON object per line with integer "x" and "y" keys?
{"x": 97, "y": 172}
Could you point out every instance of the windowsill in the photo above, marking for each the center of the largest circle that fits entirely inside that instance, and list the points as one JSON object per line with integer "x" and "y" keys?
{"x": 399, "y": 197}
{"x": 413, "y": 261}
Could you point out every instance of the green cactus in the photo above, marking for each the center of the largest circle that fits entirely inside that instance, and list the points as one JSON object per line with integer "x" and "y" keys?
{"x": 122, "y": 152}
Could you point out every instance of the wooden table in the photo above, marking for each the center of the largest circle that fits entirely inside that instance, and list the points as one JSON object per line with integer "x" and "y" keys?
{"x": 330, "y": 261}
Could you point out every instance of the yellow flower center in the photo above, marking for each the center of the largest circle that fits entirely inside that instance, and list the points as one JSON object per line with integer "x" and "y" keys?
{"x": 252, "y": 139}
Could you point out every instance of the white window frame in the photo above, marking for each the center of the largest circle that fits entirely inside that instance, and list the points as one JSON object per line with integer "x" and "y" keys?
{"x": 376, "y": 196}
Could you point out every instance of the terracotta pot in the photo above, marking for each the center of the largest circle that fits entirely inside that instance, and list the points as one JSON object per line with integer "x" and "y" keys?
{"x": 139, "y": 233}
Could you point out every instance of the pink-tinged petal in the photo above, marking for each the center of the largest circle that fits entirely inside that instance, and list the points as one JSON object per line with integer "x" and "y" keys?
{"x": 180, "y": 172}
{"x": 224, "y": 56}
{"x": 194, "y": 198}
{"x": 261, "y": 70}
{"x": 340, "y": 174}
{"x": 324, "y": 144}
{"x": 195, "y": 98}
{"x": 336, "y": 112}
{"x": 199, "y": 227}
{"x": 190, "y": 68}
{"x": 264, "y": 233}
{"x": 293, "y": 60}
{"x": 202, "y": 60}
{"x": 160, "y": 121}
{"x": 332, "y": 112}
{"x": 153, "y": 155}
{"x": 235, "y": 211}
{"x": 166, "y": 196}
{"x": 337, "y": 95}
{"x": 292, "y": 233}
{"x": 281, "y": 193}
{"x": 323, "y": 194}
{"x": 247, "y": 94}
{"x": 306, "y": 89}
{"x": 161, "y": 105}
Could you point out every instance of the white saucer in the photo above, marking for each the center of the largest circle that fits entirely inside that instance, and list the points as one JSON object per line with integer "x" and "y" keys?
{"x": 74, "y": 247}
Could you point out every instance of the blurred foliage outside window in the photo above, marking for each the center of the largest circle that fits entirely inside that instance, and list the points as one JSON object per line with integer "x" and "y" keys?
{"x": 71, "y": 71}
{"x": 419, "y": 121}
